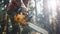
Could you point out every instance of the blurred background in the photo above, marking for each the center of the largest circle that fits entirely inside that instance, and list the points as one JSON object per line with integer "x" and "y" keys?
{"x": 46, "y": 15}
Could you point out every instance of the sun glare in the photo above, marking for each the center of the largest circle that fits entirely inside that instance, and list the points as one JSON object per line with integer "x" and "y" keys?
{"x": 52, "y": 4}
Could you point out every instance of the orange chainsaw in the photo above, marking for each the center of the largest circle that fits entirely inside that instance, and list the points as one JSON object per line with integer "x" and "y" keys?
{"x": 20, "y": 18}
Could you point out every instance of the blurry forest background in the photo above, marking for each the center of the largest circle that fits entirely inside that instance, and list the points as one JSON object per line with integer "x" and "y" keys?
{"x": 45, "y": 13}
